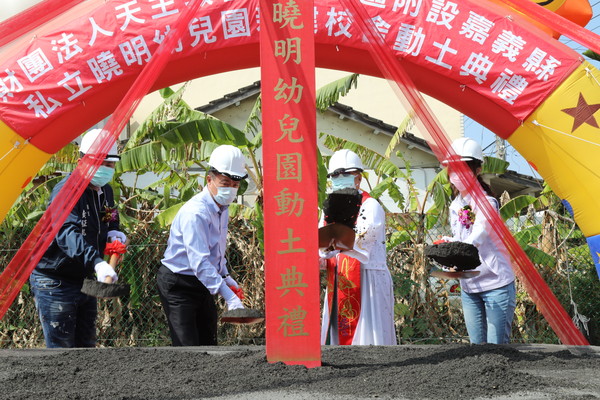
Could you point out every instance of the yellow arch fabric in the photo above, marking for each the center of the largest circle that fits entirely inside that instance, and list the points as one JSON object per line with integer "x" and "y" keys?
{"x": 562, "y": 140}
{"x": 19, "y": 162}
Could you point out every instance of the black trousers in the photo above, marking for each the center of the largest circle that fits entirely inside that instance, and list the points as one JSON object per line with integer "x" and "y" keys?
{"x": 190, "y": 309}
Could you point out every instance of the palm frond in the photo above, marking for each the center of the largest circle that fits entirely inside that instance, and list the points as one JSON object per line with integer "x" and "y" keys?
{"x": 150, "y": 156}
{"x": 158, "y": 120}
{"x": 63, "y": 160}
{"x": 493, "y": 165}
{"x": 204, "y": 130}
{"x": 331, "y": 93}
{"x": 371, "y": 159}
{"x": 592, "y": 54}
{"x": 441, "y": 192}
{"x": 514, "y": 206}
{"x": 254, "y": 122}
{"x": 405, "y": 125}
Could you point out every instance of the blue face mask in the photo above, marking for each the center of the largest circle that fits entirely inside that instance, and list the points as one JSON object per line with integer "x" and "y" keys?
{"x": 103, "y": 176}
{"x": 343, "y": 182}
{"x": 225, "y": 195}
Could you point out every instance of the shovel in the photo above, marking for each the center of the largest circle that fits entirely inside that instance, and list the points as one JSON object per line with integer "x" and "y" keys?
{"x": 336, "y": 236}
{"x": 242, "y": 316}
{"x": 107, "y": 289}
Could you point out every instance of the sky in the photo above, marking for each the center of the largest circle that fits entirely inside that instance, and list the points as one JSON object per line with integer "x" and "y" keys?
{"x": 487, "y": 139}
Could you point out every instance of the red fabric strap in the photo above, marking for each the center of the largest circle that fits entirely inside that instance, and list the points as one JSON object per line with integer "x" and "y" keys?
{"x": 18, "y": 270}
{"x": 439, "y": 142}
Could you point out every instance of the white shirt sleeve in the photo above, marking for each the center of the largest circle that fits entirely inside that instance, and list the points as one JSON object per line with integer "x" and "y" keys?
{"x": 370, "y": 221}
{"x": 479, "y": 232}
{"x": 195, "y": 234}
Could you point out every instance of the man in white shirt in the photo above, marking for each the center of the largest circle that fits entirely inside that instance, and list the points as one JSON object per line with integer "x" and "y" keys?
{"x": 194, "y": 267}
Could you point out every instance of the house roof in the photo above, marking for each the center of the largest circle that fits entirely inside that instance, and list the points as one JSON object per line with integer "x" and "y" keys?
{"x": 516, "y": 184}
{"x": 342, "y": 110}
{"x": 511, "y": 181}
{"x": 230, "y": 99}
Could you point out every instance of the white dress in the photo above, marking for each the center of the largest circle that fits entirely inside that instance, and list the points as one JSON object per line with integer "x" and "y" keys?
{"x": 376, "y": 321}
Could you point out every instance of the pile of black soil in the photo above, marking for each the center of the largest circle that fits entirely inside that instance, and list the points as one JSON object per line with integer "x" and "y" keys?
{"x": 407, "y": 372}
{"x": 463, "y": 256}
{"x": 342, "y": 207}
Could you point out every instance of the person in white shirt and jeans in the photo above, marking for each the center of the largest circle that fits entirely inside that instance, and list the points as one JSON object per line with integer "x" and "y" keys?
{"x": 194, "y": 268}
{"x": 488, "y": 299}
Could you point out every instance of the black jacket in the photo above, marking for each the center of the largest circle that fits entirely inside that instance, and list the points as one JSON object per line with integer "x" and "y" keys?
{"x": 79, "y": 244}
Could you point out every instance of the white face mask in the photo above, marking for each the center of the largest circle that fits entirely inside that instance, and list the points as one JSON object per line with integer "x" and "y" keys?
{"x": 225, "y": 195}
{"x": 102, "y": 176}
{"x": 343, "y": 182}
{"x": 455, "y": 180}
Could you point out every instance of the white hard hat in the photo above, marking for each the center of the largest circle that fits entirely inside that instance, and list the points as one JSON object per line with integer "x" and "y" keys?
{"x": 229, "y": 161}
{"x": 344, "y": 161}
{"x": 88, "y": 140}
{"x": 468, "y": 149}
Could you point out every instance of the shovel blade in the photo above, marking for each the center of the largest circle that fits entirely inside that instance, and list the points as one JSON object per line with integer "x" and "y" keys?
{"x": 103, "y": 290}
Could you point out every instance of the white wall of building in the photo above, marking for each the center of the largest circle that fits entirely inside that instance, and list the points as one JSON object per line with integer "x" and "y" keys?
{"x": 373, "y": 96}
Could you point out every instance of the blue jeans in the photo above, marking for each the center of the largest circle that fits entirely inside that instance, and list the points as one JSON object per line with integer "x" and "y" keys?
{"x": 68, "y": 316}
{"x": 489, "y": 315}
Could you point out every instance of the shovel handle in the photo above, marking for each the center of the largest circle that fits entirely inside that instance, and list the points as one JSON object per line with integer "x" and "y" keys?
{"x": 114, "y": 261}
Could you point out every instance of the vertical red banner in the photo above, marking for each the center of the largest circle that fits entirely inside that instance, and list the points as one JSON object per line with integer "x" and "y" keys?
{"x": 290, "y": 181}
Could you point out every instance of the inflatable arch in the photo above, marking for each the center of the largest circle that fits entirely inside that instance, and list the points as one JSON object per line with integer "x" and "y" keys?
{"x": 480, "y": 57}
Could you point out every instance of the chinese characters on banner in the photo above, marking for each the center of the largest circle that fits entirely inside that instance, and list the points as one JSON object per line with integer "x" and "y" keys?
{"x": 70, "y": 76}
{"x": 290, "y": 182}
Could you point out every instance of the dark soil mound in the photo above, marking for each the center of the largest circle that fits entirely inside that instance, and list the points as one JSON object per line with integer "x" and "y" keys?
{"x": 358, "y": 372}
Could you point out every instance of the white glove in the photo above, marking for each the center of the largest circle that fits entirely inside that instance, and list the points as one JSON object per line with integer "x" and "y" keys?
{"x": 116, "y": 235}
{"x": 229, "y": 281}
{"x": 103, "y": 269}
{"x": 326, "y": 254}
{"x": 233, "y": 302}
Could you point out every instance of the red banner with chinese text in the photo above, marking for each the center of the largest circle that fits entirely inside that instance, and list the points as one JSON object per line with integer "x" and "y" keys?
{"x": 71, "y": 75}
{"x": 290, "y": 182}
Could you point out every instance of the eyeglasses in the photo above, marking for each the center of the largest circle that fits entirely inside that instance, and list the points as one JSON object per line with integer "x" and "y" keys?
{"x": 344, "y": 173}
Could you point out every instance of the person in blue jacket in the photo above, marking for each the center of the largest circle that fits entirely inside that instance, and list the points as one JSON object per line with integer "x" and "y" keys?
{"x": 68, "y": 316}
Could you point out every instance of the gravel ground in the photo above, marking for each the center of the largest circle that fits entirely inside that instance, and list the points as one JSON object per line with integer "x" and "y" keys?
{"x": 349, "y": 372}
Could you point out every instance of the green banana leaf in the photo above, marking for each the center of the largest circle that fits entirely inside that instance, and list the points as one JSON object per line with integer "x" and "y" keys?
{"x": 331, "y": 93}
{"x": 204, "y": 130}
{"x": 515, "y": 206}
{"x": 166, "y": 217}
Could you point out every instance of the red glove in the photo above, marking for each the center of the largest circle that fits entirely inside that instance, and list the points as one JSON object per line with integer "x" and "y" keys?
{"x": 239, "y": 292}
{"x": 440, "y": 241}
{"x": 115, "y": 247}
